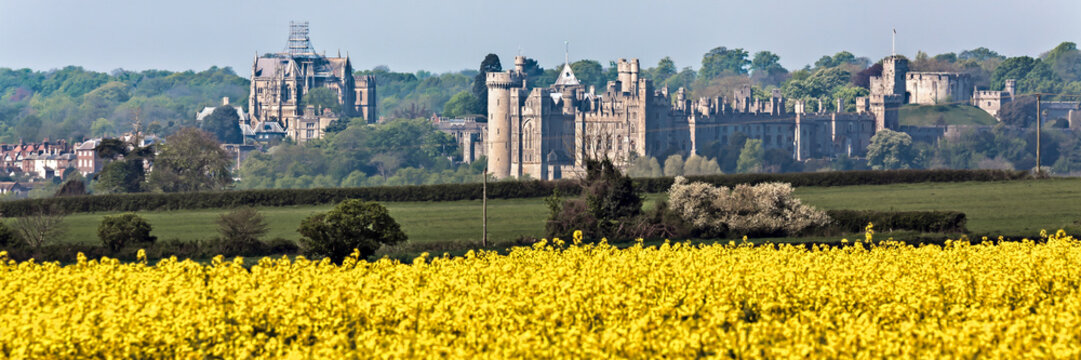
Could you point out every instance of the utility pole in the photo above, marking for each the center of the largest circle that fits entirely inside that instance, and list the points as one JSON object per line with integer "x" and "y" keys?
{"x": 1039, "y": 129}
{"x": 484, "y": 208}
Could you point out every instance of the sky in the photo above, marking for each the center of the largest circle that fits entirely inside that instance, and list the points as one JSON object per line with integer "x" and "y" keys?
{"x": 441, "y": 36}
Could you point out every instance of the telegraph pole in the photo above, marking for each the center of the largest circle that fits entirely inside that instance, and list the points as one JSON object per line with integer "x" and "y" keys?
{"x": 484, "y": 208}
{"x": 1039, "y": 129}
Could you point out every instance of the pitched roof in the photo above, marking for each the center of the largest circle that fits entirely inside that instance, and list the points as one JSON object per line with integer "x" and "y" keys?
{"x": 566, "y": 77}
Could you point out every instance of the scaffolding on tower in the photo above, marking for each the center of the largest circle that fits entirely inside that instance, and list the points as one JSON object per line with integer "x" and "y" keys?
{"x": 299, "y": 43}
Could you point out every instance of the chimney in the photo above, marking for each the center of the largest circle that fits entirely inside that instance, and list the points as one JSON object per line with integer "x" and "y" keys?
{"x": 225, "y": 101}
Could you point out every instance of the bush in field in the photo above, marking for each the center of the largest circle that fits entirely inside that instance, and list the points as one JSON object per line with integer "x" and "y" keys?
{"x": 119, "y": 230}
{"x": 766, "y": 209}
{"x": 244, "y": 225}
{"x": 8, "y": 237}
{"x": 353, "y": 224}
{"x": 608, "y": 205}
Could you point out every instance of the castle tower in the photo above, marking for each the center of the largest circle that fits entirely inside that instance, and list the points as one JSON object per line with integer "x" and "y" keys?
{"x": 1010, "y": 86}
{"x": 894, "y": 70}
{"x": 499, "y": 122}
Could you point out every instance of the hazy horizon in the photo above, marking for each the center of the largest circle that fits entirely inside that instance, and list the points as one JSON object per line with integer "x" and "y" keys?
{"x": 451, "y": 36}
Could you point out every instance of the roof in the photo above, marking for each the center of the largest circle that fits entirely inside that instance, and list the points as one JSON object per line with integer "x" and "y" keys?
{"x": 262, "y": 127}
{"x": 566, "y": 77}
{"x": 285, "y": 65}
{"x": 210, "y": 110}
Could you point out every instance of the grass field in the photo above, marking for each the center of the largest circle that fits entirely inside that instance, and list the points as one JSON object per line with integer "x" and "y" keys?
{"x": 1008, "y": 208}
{"x": 929, "y": 115}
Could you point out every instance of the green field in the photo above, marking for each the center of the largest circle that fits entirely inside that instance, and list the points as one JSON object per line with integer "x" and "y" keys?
{"x": 1009, "y": 208}
{"x": 931, "y": 115}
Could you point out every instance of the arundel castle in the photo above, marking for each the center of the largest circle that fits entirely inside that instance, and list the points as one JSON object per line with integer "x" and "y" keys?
{"x": 548, "y": 133}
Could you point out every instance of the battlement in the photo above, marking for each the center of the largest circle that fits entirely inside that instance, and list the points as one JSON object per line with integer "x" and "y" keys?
{"x": 503, "y": 79}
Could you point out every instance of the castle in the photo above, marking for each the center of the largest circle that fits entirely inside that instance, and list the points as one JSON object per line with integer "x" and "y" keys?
{"x": 280, "y": 81}
{"x": 549, "y": 133}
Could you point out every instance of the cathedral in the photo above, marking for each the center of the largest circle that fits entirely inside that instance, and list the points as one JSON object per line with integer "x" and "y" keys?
{"x": 549, "y": 133}
{"x": 280, "y": 81}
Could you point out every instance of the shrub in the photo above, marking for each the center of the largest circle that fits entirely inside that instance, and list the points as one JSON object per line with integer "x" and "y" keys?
{"x": 40, "y": 225}
{"x": 8, "y": 238}
{"x": 119, "y": 230}
{"x": 353, "y": 224}
{"x": 767, "y": 209}
{"x": 242, "y": 225}
{"x": 924, "y": 221}
{"x": 451, "y": 192}
{"x": 608, "y": 203}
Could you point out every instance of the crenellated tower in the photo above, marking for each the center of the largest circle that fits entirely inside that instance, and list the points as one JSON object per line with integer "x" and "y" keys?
{"x": 499, "y": 121}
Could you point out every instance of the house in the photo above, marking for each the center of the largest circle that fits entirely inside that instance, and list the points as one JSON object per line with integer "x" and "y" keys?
{"x": 12, "y": 188}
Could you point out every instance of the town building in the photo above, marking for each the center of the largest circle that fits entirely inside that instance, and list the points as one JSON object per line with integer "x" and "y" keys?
{"x": 280, "y": 81}
{"x": 549, "y": 133}
{"x": 86, "y": 156}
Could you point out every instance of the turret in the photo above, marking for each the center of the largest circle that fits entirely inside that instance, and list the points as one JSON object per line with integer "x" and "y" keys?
{"x": 499, "y": 139}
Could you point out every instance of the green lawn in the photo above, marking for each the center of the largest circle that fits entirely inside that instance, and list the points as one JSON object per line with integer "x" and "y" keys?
{"x": 930, "y": 115}
{"x": 1009, "y": 208}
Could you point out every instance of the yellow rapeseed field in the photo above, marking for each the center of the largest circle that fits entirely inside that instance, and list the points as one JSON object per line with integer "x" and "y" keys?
{"x": 555, "y": 300}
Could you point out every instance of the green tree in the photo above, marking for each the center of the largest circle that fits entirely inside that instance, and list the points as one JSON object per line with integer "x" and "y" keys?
{"x": 891, "y": 150}
{"x": 190, "y": 160}
{"x": 224, "y": 123}
{"x": 120, "y": 176}
{"x": 480, "y": 88}
{"x": 353, "y": 224}
{"x": 119, "y": 230}
{"x": 1012, "y": 68}
{"x": 721, "y": 61}
{"x": 665, "y": 69}
{"x": 322, "y": 98}
{"x": 767, "y": 63}
{"x": 979, "y": 54}
{"x": 590, "y": 72}
{"x": 243, "y": 225}
{"x": 101, "y": 127}
{"x": 461, "y": 104}
{"x": 751, "y": 157}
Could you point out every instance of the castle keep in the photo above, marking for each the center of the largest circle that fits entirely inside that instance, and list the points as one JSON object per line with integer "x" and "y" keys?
{"x": 280, "y": 81}
{"x": 548, "y": 133}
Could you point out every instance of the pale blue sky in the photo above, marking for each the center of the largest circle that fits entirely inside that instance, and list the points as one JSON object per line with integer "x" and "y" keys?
{"x": 443, "y": 35}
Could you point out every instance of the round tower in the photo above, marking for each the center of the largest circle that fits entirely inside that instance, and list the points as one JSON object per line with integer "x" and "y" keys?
{"x": 499, "y": 138}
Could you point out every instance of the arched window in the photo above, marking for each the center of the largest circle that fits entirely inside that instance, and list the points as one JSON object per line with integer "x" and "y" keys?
{"x": 529, "y": 141}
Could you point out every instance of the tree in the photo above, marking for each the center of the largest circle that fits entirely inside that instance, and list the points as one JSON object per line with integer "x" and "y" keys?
{"x": 751, "y": 157}
{"x": 767, "y": 63}
{"x": 322, "y": 98}
{"x": 224, "y": 123}
{"x": 1021, "y": 112}
{"x": 673, "y": 165}
{"x": 863, "y": 78}
{"x": 118, "y": 230}
{"x": 190, "y": 160}
{"x": 243, "y": 225}
{"x": 461, "y": 104}
{"x": 891, "y": 150}
{"x": 352, "y": 225}
{"x": 979, "y": 54}
{"x": 111, "y": 148}
{"x": 1012, "y": 68}
{"x": 589, "y": 72}
{"x": 665, "y": 69}
{"x": 43, "y": 225}
{"x": 74, "y": 186}
{"x": 480, "y": 87}
{"x": 721, "y": 61}
{"x": 120, "y": 176}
